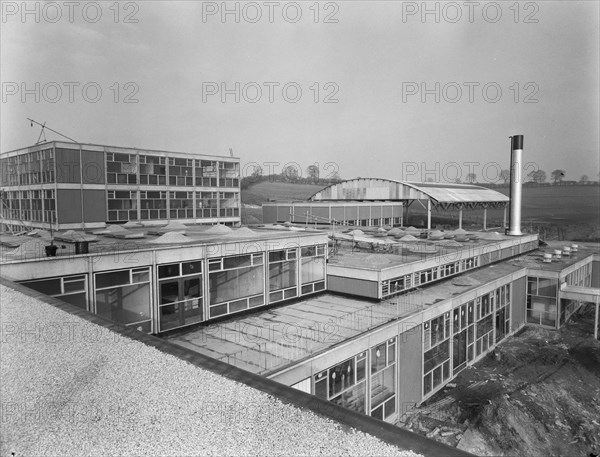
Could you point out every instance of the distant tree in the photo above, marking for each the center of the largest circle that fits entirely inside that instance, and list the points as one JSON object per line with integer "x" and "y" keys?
{"x": 429, "y": 179}
{"x": 312, "y": 173}
{"x": 583, "y": 179}
{"x": 457, "y": 181}
{"x": 557, "y": 176}
{"x": 538, "y": 176}
{"x": 505, "y": 176}
{"x": 335, "y": 177}
{"x": 471, "y": 178}
{"x": 257, "y": 173}
{"x": 290, "y": 173}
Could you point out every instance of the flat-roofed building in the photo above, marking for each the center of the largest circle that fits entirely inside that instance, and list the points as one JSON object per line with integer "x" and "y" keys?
{"x": 63, "y": 185}
{"x": 158, "y": 283}
{"x": 375, "y": 202}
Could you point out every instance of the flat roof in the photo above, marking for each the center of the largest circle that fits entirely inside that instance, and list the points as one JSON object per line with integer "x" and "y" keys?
{"x": 195, "y": 235}
{"x": 269, "y": 340}
{"x": 535, "y": 259}
{"x": 410, "y": 251}
{"x": 59, "y": 143}
{"x": 73, "y": 387}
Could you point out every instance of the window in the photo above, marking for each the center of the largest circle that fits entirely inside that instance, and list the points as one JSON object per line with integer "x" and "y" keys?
{"x": 121, "y": 168}
{"x": 229, "y": 173}
{"x": 345, "y": 383}
{"x": 236, "y": 283}
{"x": 206, "y": 173}
{"x": 181, "y": 205}
{"x": 282, "y": 275}
{"x": 436, "y": 359}
{"x": 72, "y": 289}
{"x": 229, "y": 204}
{"x": 122, "y": 205}
{"x": 312, "y": 269}
{"x": 124, "y": 296}
{"x": 207, "y": 204}
{"x": 181, "y": 171}
{"x": 153, "y": 170}
{"x": 383, "y": 379}
{"x": 541, "y": 301}
{"x": 153, "y": 205}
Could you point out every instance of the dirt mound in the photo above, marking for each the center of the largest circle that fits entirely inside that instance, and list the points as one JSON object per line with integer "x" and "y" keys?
{"x": 396, "y": 231}
{"x": 537, "y": 394}
{"x": 218, "y": 229}
{"x": 408, "y": 238}
{"x": 171, "y": 238}
{"x": 241, "y": 233}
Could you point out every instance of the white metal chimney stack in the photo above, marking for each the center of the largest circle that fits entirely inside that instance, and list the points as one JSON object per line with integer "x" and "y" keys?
{"x": 516, "y": 184}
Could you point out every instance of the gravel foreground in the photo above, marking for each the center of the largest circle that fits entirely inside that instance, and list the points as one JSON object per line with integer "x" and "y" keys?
{"x": 70, "y": 387}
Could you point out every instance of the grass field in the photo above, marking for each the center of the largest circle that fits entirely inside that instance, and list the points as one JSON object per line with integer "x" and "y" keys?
{"x": 557, "y": 212}
{"x": 264, "y": 191}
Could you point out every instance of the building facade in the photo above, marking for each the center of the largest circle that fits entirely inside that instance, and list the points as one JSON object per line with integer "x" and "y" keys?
{"x": 161, "y": 288}
{"x": 63, "y": 185}
{"x": 352, "y": 213}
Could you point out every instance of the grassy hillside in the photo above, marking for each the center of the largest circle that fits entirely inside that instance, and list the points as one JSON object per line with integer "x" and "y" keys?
{"x": 264, "y": 191}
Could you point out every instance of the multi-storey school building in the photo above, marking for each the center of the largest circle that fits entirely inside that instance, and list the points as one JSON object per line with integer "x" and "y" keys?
{"x": 73, "y": 186}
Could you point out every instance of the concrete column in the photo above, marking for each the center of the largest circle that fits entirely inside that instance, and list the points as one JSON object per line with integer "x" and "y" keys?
{"x": 428, "y": 214}
{"x": 504, "y": 220}
{"x": 484, "y": 218}
{"x": 596, "y": 319}
{"x": 460, "y": 218}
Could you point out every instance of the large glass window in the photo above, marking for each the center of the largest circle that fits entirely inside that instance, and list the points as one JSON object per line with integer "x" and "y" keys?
{"x": 124, "y": 296}
{"x": 312, "y": 270}
{"x": 541, "y": 301}
{"x": 383, "y": 379}
{"x": 121, "y": 168}
{"x": 72, "y": 289}
{"x": 153, "y": 170}
{"x": 153, "y": 204}
{"x": 436, "y": 361}
{"x": 206, "y": 173}
{"x": 460, "y": 324}
{"x": 122, "y": 205}
{"x": 344, "y": 384}
{"x": 181, "y": 205}
{"x": 236, "y": 283}
{"x": 229, "y": 173}
{"x": 207, "y": 204}
{"x": 229, "y": 204}
{"x": 181, "y": 171}
{"x": 502, "y": 312}
{"x": 282, "y": 275}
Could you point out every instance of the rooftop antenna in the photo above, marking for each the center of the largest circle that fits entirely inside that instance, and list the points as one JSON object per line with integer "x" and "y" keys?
{"x": 43, "y": 126}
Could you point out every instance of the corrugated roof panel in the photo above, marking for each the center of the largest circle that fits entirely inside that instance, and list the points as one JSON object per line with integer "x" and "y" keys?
{"x": 387, "y": 189}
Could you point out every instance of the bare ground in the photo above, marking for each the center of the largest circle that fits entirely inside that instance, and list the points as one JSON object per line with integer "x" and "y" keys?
{"x": 538, "y": 394}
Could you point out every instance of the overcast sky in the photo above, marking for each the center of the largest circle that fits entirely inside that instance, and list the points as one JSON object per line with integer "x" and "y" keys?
{"x": 374, "y": 58}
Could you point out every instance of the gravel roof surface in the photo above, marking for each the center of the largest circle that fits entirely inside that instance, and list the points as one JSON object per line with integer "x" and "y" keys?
{"x": 70, "y": 387}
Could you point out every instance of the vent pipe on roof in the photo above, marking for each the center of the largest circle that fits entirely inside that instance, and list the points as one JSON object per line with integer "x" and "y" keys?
{"x": 516, "y": 184}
